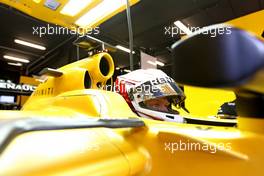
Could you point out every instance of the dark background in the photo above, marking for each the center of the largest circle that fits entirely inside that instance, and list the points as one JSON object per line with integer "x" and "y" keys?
{"x": 149, "y": 18}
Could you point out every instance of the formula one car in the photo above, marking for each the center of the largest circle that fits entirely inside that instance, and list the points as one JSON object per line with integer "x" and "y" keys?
{"x": 69, "y": 127}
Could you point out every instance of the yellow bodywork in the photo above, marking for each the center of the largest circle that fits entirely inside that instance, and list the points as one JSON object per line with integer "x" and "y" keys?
{"x": 251, "y": 22}
{"x": 204, "y": 102}
{"x": 159, "y": 148}
{"x": 67, "y": 95}
{"x": 144, "y": 151}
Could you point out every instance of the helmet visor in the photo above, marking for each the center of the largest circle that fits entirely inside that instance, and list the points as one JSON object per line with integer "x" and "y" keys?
{"x": 148, "y": 91}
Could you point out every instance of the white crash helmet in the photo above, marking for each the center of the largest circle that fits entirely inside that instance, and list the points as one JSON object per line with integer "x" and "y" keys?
{"x": 140, "y": 86}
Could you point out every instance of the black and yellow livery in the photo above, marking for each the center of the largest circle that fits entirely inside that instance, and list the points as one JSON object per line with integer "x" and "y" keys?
{"x": 71, "y": 127}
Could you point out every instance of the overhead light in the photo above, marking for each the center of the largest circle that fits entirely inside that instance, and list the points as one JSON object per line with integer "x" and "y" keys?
{"x": 182, "y": 27}
{"x": 37, "y": 1}
{"x": 156, "y": 63}
{"x": 117, "y": 68}
{"x": 152, "y": 63}
{"x": 73, "y": 7}
{"x": 16, "y": 59}
{"x": 128, "y": 71}
{"x": 15, "y": 64}
{"x": 124, "y": 49}
{"x": 99, "y": 12}
{"x": 160, "y": 63}
{"x": 32, "y": 45}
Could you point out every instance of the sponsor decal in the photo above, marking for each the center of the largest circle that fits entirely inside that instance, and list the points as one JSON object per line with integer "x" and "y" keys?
{"x": 9, "y": 85}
